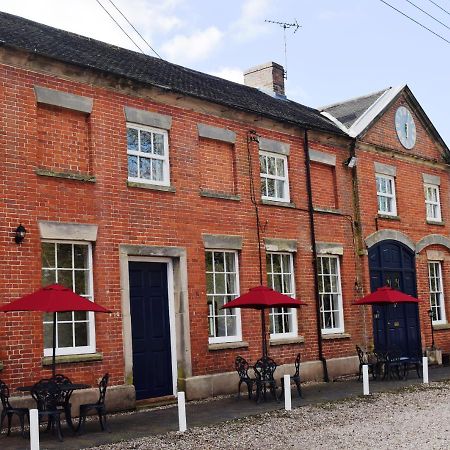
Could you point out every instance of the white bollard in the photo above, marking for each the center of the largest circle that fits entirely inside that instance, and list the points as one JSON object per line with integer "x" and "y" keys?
{"x": 34, "y": 429}
{"x": 365, "y": 372}
{"x": 182, "y": 411}
{"x": 287, "y": 393}
{"x": 425, "y": 369}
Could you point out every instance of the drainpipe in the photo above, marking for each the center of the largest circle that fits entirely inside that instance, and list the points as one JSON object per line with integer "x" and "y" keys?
{"x": 314, "y": 254}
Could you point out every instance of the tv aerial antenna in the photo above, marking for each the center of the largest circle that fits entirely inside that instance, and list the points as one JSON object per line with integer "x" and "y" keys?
{"x": 285, "y": 26}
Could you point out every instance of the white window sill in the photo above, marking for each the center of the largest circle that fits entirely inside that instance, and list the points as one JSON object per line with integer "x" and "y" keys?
{"x": 65, "y": 359}
{"x": 227, "y": 345}
{"x": 153, "y": 187}
{"x": 281, "y": 203}
{"x": 287, "y": 340}
{"x": 331, "y": 336}
{"x": 441, "y": 326}
{"x": 435, "y": 222}
{"x": 388, "y": 216}
{"x": 220, "y": 195}
{"x": 67, "y": 175}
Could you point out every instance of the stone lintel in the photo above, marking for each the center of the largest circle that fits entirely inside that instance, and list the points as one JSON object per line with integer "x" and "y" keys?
{"x": 280, "y": 245}
{"x": 321, "y": 157}
{"x": 272, "y": 146}
{"x": 329, "y": 248}
{"x": 212, "y": 241}
{"x": 63, "y": 99}
{"x": 71, "y": 231}
{"x": 385, "y": 169}
{"x": 431, "y": 179}
{"x": 149, "y": 118}
{"x": 216, "y": 133}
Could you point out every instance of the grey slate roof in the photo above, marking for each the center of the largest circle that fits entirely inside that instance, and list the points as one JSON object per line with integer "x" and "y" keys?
{"x": 347, "y": 112}
{"x": 89, "y": 53}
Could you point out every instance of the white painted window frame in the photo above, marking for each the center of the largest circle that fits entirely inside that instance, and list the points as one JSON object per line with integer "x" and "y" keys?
{"x": 139, "y": 154}
{"x": 91, "y": 348}
{"x": 291, "y": 313}
{"x": 431, "y": 203}
{"x": 236, "y": 311}
{"x": 438, "y": 292}
{"x": 266, "y": 176}
{"x": 391, "y": 195}
{"x": 338, "y": 292}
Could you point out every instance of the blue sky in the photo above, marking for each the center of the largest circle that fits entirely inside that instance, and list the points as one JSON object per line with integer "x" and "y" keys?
{"x": 344, "y": 48}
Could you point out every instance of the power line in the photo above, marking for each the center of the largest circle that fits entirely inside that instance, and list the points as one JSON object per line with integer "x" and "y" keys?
{"x": 132, "y": 26}
{"x": 115, "y": 21}
{"x": 415, "y": 21}
{"x": 429, "y": 15}
{"x": 439, "y": 6}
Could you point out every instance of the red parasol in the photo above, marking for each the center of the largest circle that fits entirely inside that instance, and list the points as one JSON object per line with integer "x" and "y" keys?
{"x": 262, "y": 297}
{"x": 54, "y": 298}
{"x": 386, "y": 294}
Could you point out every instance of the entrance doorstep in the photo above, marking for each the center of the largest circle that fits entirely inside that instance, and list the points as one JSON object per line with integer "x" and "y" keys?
{"x": 434, "y": 356}
{"x": 155, "y": 402}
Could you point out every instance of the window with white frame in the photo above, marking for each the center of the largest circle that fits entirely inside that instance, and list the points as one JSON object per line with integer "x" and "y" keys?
{"x": 274, "y": 177}
{"x": 432, "y": 202}
{"x": 148, "y": 155}
{"x": 386, "y": 195}
{"x": 331, "y": 310}
{"x": 70, "y": 264}
{"x": 436, "y": 292}
{"x": 222, "y": 285}
{"x": 280, "y": 277}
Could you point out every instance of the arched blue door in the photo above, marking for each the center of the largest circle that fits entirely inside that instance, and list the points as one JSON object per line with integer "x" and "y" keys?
{"x": 391, "y": 263}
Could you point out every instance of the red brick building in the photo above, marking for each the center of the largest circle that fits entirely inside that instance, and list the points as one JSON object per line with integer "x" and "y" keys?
{"x": 140, "y": 184}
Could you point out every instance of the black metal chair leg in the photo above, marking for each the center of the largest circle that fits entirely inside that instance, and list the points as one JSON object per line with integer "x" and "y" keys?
{"x": 9, "y": 423}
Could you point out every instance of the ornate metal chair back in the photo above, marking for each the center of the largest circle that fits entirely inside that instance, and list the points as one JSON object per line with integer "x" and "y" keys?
{"x": 65, "y": 395}
{"x": 47, "y": 395}
{"x": 102, "y": 389}
{"x": 361, "y": 355}
{"x": 242, "y": 367}
{"x": 4, "y": 395}
{"x": 297, "y": 365}
{"x": 265, "y": 368}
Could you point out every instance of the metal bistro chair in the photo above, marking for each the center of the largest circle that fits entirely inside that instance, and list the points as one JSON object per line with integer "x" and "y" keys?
{"x": 47, "y": 395}
{"x": 395, "y": 364}
{"x": 364, "y": 360}
{"x": 264, "y": 370}
{"x": 9, "y": 410}
{"x": 99, "y": 407}
{"x": 242, "y": 368}
{"x": 64, "y": 399}
{"x": 295, "y": 378}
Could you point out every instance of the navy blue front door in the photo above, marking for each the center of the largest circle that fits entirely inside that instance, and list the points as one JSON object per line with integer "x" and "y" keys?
{"x": 150, "y": 326}
{"x": 393, "y": 264}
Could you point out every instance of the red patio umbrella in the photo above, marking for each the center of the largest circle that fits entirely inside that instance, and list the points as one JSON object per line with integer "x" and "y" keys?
{"x": 52, "y": 299}
{"x": 386, "y": 294}
{"x": 262, "y": 297}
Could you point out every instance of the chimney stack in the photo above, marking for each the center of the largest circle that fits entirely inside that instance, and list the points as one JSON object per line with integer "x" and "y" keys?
{"x": 267, "y": 77}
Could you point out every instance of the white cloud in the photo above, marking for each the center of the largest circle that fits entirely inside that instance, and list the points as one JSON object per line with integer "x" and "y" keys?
{"x": 250, "y": 24}
{"x": 230, "y": 73}
{"x": 198, "y": 46}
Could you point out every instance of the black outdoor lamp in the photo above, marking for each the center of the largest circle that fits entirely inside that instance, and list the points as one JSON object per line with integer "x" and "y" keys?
{"x": 376, "y": 315}
{"x": 430, "y": 315}
{"x": 19, "y": 234}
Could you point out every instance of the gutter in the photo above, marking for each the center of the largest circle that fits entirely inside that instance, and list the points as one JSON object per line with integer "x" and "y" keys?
{"x": 314, "y": 255}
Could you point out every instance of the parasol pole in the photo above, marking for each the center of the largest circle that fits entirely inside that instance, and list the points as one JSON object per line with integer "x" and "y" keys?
{"x": 54, "y": 345}
{"x": 263, "y": 331}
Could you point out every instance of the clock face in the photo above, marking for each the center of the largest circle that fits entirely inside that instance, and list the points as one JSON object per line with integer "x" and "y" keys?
{"x": 405, "y": 126}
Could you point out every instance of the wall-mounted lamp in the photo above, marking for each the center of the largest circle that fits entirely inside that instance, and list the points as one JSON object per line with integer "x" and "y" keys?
{"x": 19, "y": 234}
{"x": 351, "y": 162}
{"x": 376, "y": 315}
{"x": 431, "y": 316}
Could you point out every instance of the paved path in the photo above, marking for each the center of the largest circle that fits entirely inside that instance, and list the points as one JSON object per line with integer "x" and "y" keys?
{"x": 158, "y": 421}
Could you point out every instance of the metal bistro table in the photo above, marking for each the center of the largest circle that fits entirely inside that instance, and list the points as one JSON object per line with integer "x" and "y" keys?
{"x": 66, "y": 390}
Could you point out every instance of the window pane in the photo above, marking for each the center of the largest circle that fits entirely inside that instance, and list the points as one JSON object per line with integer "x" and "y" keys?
{"x": 48, "y": 254}
{"x": 208, "y": 257}
{"x": 231, "y": 285}
{"x": 231, "y": 326}
{"x": 81, "y": 282}
{"x": 145, "y": 168}
{"x": 81, "y": 334}
{"x": 219, "y": 278}
{"x": 277, "y": 283}
{"x": 132, "y": 139}
{"x": 80, "y": 315}
{"x": 231, "y": 262}
{"x": 48, "y": 277}
{"x": 157, "y": 170}
{"x": 158, "y": 144}
{"x": 64, "y": 255}
{"x": 80, "y": 254}
{"x": 146, "y": 142}
{"x": 271, "y": 170}
{"x": 270, "y": 188}
{"x": 279, "y": 188}
{"x": 132, "y": 166}
{"x": 64, "y": 316}
{"x": 219, "y": 262}
{"x": 48, "y": 335}
{"x": 65, "y": 278}
{"x": 262, "y": 164}
{"x": 65, "y": 337}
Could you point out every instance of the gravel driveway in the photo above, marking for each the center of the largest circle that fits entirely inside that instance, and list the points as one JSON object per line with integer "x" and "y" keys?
{"x": 417, "y": 417}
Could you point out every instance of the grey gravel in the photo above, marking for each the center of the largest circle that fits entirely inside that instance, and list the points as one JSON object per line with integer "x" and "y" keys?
{"x": 416, "y": 417}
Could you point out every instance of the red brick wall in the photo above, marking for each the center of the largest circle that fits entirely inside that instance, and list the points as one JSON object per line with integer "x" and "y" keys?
{"x": 323, "y": 178}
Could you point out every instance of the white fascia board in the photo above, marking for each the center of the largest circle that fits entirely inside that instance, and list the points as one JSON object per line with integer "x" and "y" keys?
{"x": 372, "y": 112}
{"x": 335, "y": 121}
